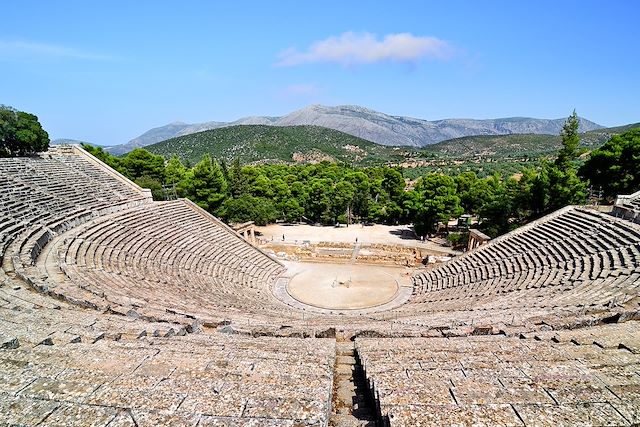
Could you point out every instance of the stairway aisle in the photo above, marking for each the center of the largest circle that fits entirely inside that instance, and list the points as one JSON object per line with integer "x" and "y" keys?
{"x": 352, "y": 405}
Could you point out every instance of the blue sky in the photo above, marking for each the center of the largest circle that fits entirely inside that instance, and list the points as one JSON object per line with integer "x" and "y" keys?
{"x": 105, "y": 72}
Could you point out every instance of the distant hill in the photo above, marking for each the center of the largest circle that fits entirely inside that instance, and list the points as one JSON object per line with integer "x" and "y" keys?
{"x": 278, "y": 144}
{"x": 519, "y": 145}
{"x": 595, "y": 138}
{"x": 175, "y": 129}
{"x": 371, "y": 125}
{"x": 406, "y": 131}
{"x": 66, "y": 141}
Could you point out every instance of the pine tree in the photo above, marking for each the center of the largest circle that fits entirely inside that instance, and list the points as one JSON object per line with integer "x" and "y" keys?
{"x": 565, "y": 187}
{"x": 205, "y": 184}
{"x": 237, "y": 180}
{"x": 570, "y": 141}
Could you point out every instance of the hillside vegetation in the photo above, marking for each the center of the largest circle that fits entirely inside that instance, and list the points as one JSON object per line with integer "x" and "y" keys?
{"x": 518, "y": 145}
{"x": 507, "y": 155}
{"x": 374, "y": 126}
{"x": 495, "y": 145}
{"x": 254, "y": 144}
{"x": 329, "y": 192}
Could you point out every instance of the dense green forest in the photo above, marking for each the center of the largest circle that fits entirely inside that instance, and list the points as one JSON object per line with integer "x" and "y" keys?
{"x": 330, "y": 192}
{"x": 259, "y": 144}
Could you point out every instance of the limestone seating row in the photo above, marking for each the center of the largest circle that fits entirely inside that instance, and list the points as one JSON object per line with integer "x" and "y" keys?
{"x": 505, "y": 381}
{"x": 553, "y": 252}
{"x": 571, "y": 293}
{"x": 580, "y": 270}
{"x": 32, "y": 319}
{"x": 64, "y": 367}
{"x": 66, "y": 189}
{"x": 162, "y": 256}
{"x": 516, "y": 307}
{"x": 575, "y": 249}
{"x": 81, "y": 165}
{"x": 68, "y": 170}
{"x": 24, "y": 179}
{"x": 21, "y": 205}
{"x": 43, "y": 198}
{"x": 234, "y": 252}
{"x": 41, "y": 191}
{"x": 614, "y": 336}
{"x": 211, "y": 301}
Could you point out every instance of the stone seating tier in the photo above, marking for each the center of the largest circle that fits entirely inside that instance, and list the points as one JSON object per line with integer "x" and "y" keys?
{"x": 68, "y": 365}
{"x": 577, "y": 258}
{"x": 167, "y": 256}
{"x": 579, "y": 377}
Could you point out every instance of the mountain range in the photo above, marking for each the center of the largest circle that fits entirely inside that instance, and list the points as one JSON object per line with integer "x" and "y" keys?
{"x": 368, "y": 124}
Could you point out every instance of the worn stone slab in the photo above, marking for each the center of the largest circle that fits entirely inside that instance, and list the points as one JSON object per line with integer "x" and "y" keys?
{"x": 629, "y": 408}
{"x": 12, "y": 382}
{"x": 224, "y": 405}
{"x": 163, "y": 418}
{"x": 500, "y": 370}
{"x": 200, "y": 385}
{"x": 80, "y": 415}
{"x": 52, "y": 389}
{"x": 311, "y": 411}
{"x": 75, "y": 374}
{"x": 433, "y": 375}
{"x": 581, "y": 414}
{"x": 134, "y": 382}
{"x": 160, "y": 368}
{"x": 617, "y": 375}
{"x": 482, "y": 393}
{"x": 24, "y": 411}
{"x": 592, "y": 392}
{"x": 133, "y": 398}
{"x": 452, "y": 415}
{"x": 269, "y": 391}
{"x": 566, "y": 369}
{"x": 409, "y": 393}
{"x": 206, "y": 421}
{"x": 9, "y": 364}
{"x": 614, "y": 357}
{"x": 122, "y": 419}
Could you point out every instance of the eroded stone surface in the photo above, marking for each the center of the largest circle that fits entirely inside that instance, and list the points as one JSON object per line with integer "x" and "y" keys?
{"x": 591, "y": 413}
{"x": 24, "y": 411}
{"x": 547, "y": 383}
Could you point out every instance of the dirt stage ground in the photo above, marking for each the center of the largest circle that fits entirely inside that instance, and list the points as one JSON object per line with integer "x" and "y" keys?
{"x": 381, "y": 234}
{"x": 344, "y": 286}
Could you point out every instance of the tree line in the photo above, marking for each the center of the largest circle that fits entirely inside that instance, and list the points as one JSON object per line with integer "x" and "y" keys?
{"x": 330, "y": 193}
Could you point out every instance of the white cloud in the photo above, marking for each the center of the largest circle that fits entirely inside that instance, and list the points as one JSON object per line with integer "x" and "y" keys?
{"x": 33, "y": 50}
{"x": 364, "y": 48}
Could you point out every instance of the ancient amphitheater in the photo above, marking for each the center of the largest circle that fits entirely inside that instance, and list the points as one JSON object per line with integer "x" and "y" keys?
{"x": 117, "y": 310}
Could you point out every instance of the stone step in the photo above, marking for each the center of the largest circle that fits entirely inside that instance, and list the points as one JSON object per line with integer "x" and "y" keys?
{"x": 340, "y": 420}
{"x": 344, "y": 347}
{"x": 345, "y": 360}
